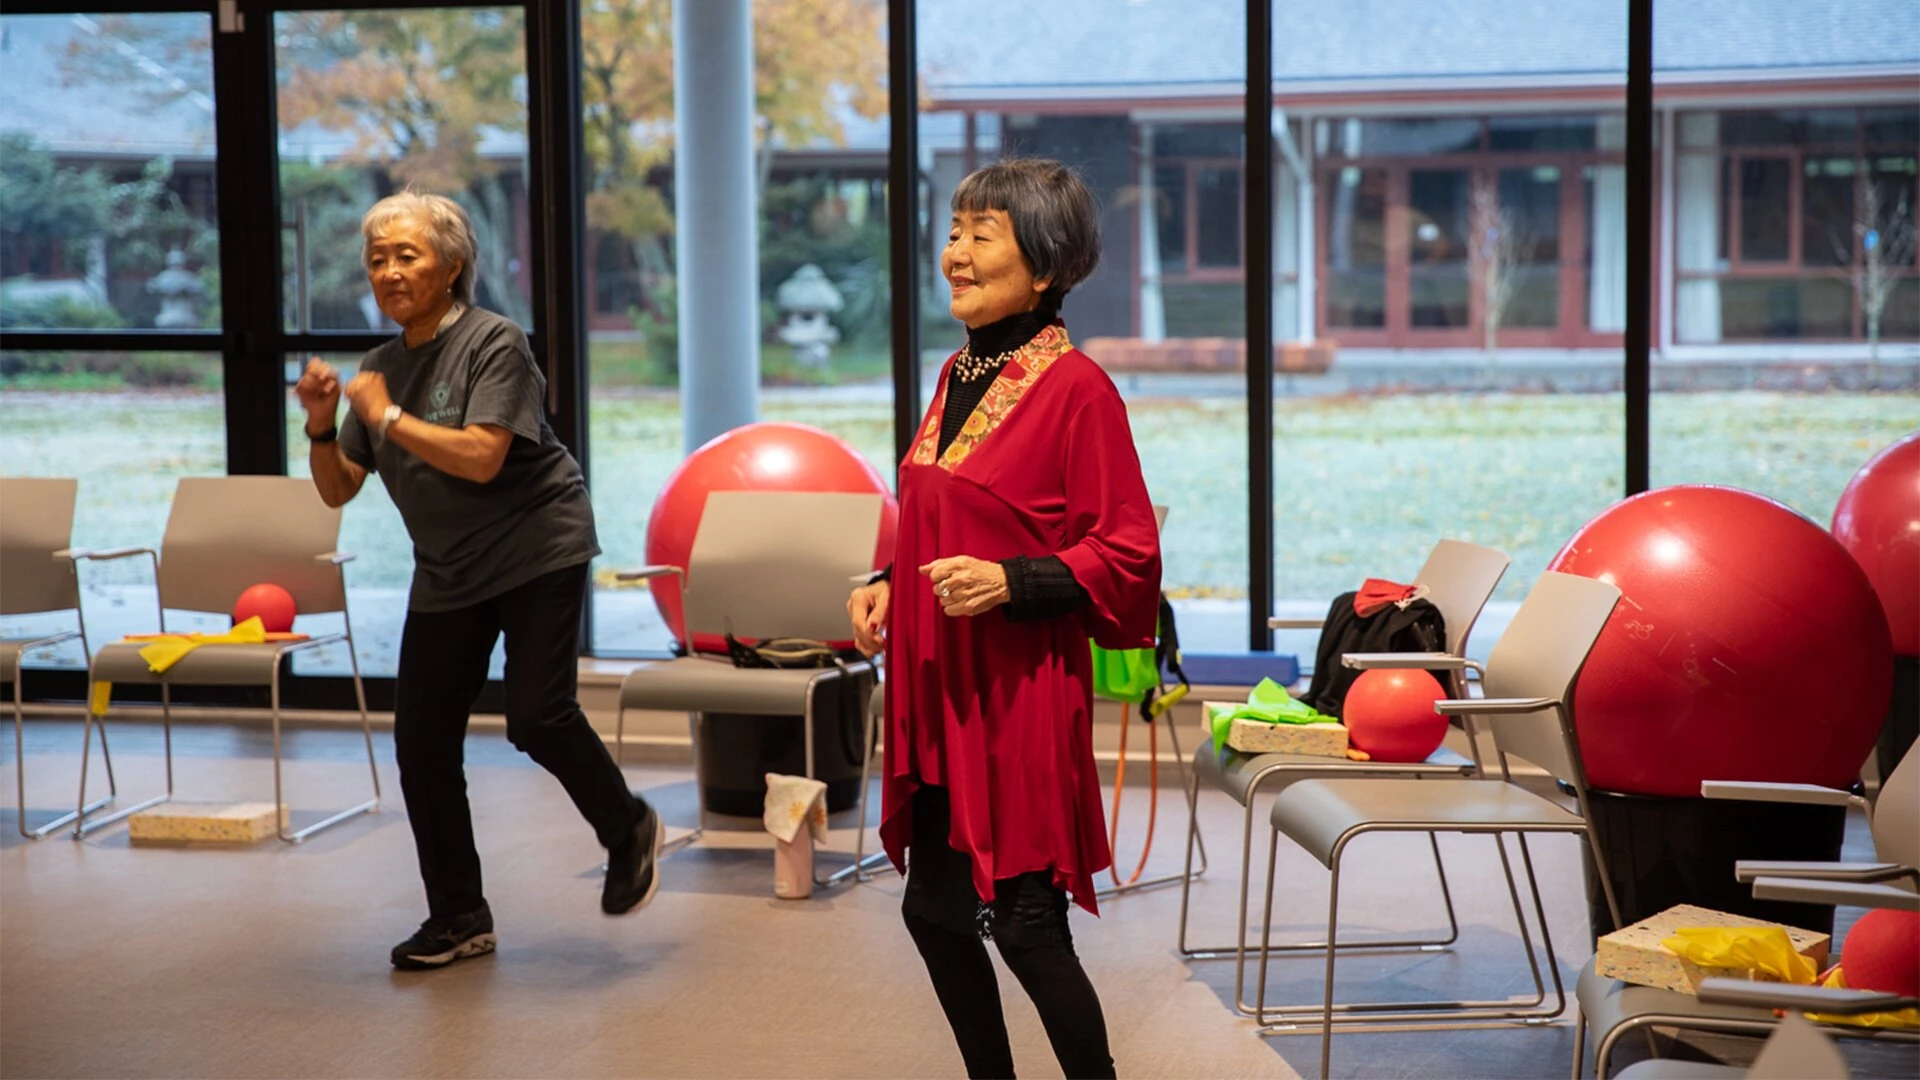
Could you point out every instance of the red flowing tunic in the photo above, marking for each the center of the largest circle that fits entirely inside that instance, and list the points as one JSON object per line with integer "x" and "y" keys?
{"x": 1000, "y": 713}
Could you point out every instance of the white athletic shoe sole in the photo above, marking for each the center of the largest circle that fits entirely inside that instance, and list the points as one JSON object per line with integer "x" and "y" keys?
{"x": 477, "y": 945}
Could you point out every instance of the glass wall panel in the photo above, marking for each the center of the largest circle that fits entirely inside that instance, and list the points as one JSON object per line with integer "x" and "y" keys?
{"x": 1458, "y": 367}
{"x": 381, "y": 572}
{"x": 128, "y": 426}
{"x": 1794, "y": 344}
{"x": 455, "y": 124}
{"x": 106, "y": 161}
{"x": 1163, "y": 310}
{"x": 107, "y": 222}
{"x": 823, "y": 296}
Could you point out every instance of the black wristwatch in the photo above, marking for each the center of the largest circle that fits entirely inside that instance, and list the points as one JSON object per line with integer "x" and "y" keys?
{"x": 329, "y": 435}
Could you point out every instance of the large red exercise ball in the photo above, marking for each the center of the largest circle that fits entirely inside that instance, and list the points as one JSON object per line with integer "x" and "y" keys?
{"x": 1882, "y": 952}
{"x": 273, "y": 604}
{"x": 757, "y": 457}
{"x": 1878, "y": 522}
{"x": 1389, "y": 714}
{"x": 1747, "y": 645}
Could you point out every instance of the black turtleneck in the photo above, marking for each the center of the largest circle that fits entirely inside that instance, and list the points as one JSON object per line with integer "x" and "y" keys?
{"x": 993, "y": 339}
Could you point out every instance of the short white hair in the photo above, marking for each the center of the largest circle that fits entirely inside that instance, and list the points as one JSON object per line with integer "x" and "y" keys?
{"x": 449, "y": 232}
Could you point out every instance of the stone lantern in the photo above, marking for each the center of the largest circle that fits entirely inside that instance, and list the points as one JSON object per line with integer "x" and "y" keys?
{"x": 179, "y": 290}
{"x": 805, "y": 300}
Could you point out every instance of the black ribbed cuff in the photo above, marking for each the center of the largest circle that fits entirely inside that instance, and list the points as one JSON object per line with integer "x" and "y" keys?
{"x": 1042, "y": 588}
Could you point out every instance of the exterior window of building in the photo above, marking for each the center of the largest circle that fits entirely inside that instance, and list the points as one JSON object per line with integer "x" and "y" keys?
{"x": 1464, "y": 232}
{"x": 1784, "y": 216}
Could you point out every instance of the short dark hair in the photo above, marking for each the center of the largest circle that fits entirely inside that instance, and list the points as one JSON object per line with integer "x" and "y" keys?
{"x": 1054, "y": 218}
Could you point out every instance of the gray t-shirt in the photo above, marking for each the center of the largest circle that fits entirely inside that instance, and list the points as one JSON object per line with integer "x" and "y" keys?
{"x": 474, "y": 541}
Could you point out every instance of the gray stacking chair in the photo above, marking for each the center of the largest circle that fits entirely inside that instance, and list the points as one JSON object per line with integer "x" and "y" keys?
{"x": 224, "y": 534}
{"x": 37, "y": 574}
{"x": 1612, "y": 1009}
{"x": 1460, "y": 577}
{"x": 764, "y": 564}
{"x": 1797, "y": 1050}
{"x": 1529, "y": 708}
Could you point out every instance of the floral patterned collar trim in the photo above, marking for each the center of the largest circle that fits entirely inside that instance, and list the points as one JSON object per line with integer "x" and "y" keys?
{"x": 1022, "y": 370}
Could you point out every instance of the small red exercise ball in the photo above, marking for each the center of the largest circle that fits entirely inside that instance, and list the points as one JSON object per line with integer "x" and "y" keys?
{"x": 756, "y": 457}
{"x": 1882, "y": 952}
{"x": 1748, "y": 645}
{"x": 1878, "y": 522}
{"x": 273, "y": 604}
{"x": 1389, "y": 714}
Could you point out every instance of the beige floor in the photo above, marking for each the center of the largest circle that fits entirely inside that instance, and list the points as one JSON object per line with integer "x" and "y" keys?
{"x": 118, "y": 960}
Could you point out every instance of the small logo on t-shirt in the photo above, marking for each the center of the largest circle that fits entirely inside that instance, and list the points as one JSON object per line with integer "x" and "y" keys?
{"x": 440, "y": 414}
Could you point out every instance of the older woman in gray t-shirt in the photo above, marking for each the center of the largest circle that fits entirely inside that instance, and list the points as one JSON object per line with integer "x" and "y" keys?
{"x": 449, "y": 414}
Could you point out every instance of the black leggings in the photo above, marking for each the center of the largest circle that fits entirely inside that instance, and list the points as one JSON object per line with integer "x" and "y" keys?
{"x": 1028, "y": 923}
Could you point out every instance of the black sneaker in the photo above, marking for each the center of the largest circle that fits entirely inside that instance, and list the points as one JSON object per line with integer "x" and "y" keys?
{"x": 440, "y": 942}
{"x": 633, "y": 874}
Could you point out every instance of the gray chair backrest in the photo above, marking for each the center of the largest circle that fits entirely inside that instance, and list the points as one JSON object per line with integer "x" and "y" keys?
{"x": 1539, "y": 656}
{"x": 1459, "y": 577}
{"x": 225, "y": 533}
{"x": 1896, "y": 813}
{"x": 36, "y": 520}
{"x": 776, "y": 563}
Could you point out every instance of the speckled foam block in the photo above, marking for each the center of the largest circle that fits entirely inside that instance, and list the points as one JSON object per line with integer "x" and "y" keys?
{"x": 1259, "y": 737}
{"x": 204, "y": 823}
{"x": 1634, "y": 954}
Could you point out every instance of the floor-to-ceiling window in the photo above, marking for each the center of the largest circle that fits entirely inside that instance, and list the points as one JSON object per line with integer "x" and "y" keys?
{"x": 108, "y": 241}
{"x": 1450, "y": 364}
{"x": 1164, "y": 312}
{"x": 1790, "y": 308}
{"x": 820, "y": 307}
{"x": 456, "y": 125}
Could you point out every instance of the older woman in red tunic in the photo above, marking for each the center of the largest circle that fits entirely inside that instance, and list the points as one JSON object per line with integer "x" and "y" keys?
{"x": 1025, "y": 531}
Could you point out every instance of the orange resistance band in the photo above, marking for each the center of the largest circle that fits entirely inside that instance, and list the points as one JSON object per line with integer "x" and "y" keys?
{"x": 1120, "y": 784}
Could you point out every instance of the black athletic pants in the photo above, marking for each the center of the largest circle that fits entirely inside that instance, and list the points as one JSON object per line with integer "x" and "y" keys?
{"x": 443, "y": 667}
{"x": 1028, "y": 922}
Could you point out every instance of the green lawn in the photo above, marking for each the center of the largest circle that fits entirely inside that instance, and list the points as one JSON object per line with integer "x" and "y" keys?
{"x": 1364, "y": 484}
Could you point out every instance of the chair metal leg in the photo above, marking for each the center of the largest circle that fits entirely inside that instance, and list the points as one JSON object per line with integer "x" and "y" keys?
{"x": 691, "y": 836}
{"x": 1579, "y": 1046}
{"x": 1546, "y": 932}
{"x": 1237, "y": 950}
{"x": 1241, "y": 1005}
{"x": 366, "y": 721}
{"x": 864, "y": 866}
{"x": 1185, "y": 877}
{"x": 1333, "y": 923}
{"x": 1410, "y": 1015}
{"x": 20, "y": 764}
{"x": 279, "y": 799}
{"x": 82, "y": 822}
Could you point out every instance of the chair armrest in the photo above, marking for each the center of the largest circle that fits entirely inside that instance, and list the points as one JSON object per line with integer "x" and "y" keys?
{"x": 73, "y": 554}
{"x": 107, "y": 554}
{"x": 646, "y": 572}
{"x": 1807, "y": 794}
{"x": 1835, "y": 892}
{"x": 1424, "y": 661}
{"x": 287, "y": 647}
{"x": 335, "y": 557}
{"x": 1493, "y": 706}
{"x": 1858, "y": 873}
{"x": 1764, "y": 995}
{"x": 1277, "y": 623}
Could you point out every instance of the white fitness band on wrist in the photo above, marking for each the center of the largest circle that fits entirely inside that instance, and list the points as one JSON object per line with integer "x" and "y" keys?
{"x": 394, "y": 412}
